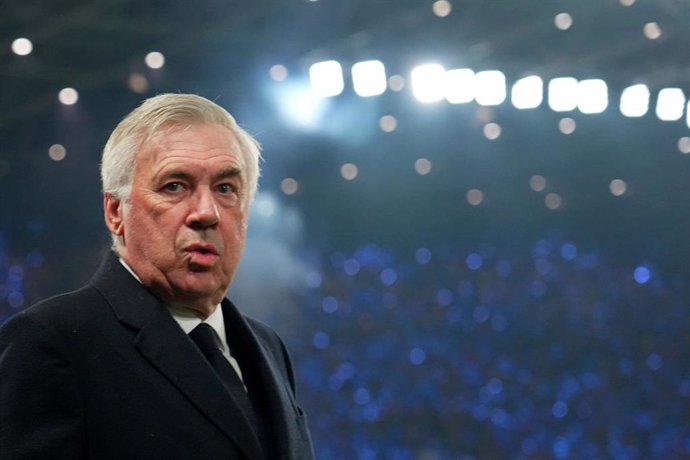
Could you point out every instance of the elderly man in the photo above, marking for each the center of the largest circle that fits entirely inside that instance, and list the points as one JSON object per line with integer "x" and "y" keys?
{"x": 149, "y": 360}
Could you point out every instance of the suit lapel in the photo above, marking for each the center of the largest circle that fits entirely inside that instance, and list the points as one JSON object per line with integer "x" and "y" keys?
{"x": 166, "y": 347}
{"x": 264, "y": 379}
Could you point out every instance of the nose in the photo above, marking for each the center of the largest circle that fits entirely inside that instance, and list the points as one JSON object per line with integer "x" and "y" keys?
{"x": 203, "y": 212}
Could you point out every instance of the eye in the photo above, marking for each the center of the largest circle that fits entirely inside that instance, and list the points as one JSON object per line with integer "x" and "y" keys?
{"x": 172, "y": 187}
{"x": 226, "y": 188}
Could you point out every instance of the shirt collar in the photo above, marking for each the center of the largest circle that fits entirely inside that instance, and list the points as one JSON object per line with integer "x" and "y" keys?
{"x": 188, "y": 320}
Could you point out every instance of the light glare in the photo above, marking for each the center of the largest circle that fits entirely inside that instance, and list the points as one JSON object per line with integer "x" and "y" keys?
{"x": 618, "y": 187}
{"x": 492, "y": 131}
{"x": 635, "y": 101}
{"x": 326, "y": 78}
{"x": 670, "y": 104}
{"x": 22, "y": 46}
{"x": 278, "y": 72}
{"x": 491, "y": 87}
{"x": 553, "y": 201}
{"x": 155, "y": 60}
{"x": 528, "y": 92}
{"x": 684, "y": 145}
{"x": 563, "y": 21}
{"x": 369, "y": 78}
{"x": 563, "y": 94}
{"x": 68, "y": 96}
{"x": 592, "y": 96}
{"x": 652, "y": 30}
{"x": 459, "y": 86}
{"x": 474, "y": 197}
{"x": 537, "y": 183}
{"x": 388, "y": 123}
{"x": 289, "y": 186}
{"x": 57, "y": 152}
{"x": 422, "y": 166}
{"x": 396, "y": 83}
{"x": 428, "y": 82}
{"x": 567, "y": 126}
{"x": 442, "y": 8}
{"x": 349, "y": 171}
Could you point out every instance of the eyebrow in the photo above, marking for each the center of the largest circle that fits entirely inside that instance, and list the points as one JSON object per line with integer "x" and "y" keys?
{"x": 226, "y": 173}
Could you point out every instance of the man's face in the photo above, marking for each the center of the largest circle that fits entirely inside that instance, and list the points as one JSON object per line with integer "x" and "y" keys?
{"x": 184, "y": 225}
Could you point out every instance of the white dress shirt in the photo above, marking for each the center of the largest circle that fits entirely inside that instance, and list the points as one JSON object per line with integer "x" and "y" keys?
{"x": 188, "y": 320}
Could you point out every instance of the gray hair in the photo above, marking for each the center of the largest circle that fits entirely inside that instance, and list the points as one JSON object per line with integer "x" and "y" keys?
{"x": 120, "y": 152}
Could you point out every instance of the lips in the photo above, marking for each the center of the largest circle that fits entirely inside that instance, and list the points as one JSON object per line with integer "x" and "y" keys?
{"x": 202, "y": 255}
{"x": 202, "y": 249}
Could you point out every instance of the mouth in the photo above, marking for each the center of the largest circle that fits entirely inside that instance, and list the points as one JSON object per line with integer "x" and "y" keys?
{"x": 202, "y": 249}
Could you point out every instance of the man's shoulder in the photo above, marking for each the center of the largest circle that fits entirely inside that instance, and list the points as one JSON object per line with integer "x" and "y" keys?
{"x": 62, "y": 308}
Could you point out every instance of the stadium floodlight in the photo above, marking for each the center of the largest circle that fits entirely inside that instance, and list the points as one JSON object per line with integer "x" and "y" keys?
{"x": 369, "y": 78}
{"x": 563, "y": 94}
{"x": 459, "y": 86}
{"x": 592, "y": 96}
{"x": 326, "y": 78}
{"x": 670, "y": 104}
{"x": 528, "y": 93}
{"x": 635, "y": 101}
{"x": 491, "y": 87}
{"x": 428, "y": 82}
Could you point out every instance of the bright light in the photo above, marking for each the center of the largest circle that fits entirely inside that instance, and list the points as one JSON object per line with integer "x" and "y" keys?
{"x": 684, "y": 145}
{"x": 442, "y": 8}
{"x": 491, "y": 87}
{"x": 474, "y": 197}
{"x": 618, "y": 187}
{"x": 22, "y": 46}
{"x": 553, "y": 201}
{"x": 369, "y": 78}
{"x": 635, "y": 101}
{"x": 349, "y": 171}
{"x": 528, "y": 92}
{"x": 563, "y": 21}
{"x": 278, "y": 72}
{"x": 155, "y": 60}
{"x": 298, "y": 105}
{"x": 459, "y": 86}
{"x": 57, "y": 152}
{"x": 567, "y": 126}
{"x": 687, "y": 115}
{"x": 537, "y": 183}
{"x": 68, "y": 96}
{"x": 289, "y": 186}
{"x": 592, "y": 96}
{"x": 563, "y": 94}
{"x": 492, "y": 131}
{"x": 326, "y": 78}
{"x": 388, "y": 123}
{"x": 670, "y": 104}
{"x": 428, "y": 82}
{"x": 396, "y": 83}
{"x": 652, "y": 30}
{"x": 422, "y": 166}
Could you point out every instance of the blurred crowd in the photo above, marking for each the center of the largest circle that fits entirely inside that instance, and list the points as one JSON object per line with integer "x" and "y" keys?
{"x": 547, "y": 350}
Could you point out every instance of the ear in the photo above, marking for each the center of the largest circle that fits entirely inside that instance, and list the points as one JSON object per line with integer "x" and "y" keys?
{"x": 113, "y": 213}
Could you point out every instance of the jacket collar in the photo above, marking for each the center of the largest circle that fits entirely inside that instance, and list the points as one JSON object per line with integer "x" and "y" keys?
{"x": 161, "y": 341}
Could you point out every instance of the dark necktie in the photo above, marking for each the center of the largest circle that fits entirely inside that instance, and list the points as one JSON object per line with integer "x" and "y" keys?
{"x": 206, "y": 339}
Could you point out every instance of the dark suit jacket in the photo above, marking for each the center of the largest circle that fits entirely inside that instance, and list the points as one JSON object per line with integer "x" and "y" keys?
{"x": 105, "y": 372}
